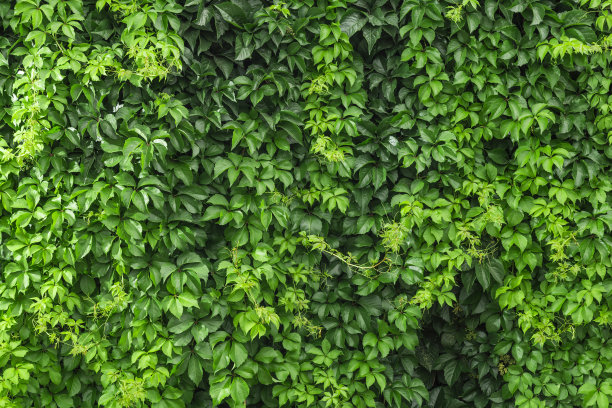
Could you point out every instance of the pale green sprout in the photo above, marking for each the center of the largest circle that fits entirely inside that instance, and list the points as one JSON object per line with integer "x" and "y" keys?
{"x": 455, "y": 13}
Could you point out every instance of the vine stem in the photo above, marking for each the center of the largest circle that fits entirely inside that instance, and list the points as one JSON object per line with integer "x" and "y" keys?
{"x": 355, "y": 265}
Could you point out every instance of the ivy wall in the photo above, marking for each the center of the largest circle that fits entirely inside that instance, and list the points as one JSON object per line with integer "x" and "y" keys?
{"x": 309, "y": 203}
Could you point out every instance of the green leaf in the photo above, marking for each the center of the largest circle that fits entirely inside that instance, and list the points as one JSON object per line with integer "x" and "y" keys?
{"x": 83, "y": 246}
{"x": 483, "y": 275}
{"x": 238, "y": 354}
{"x": 496, "y": 270}
{"x": 371, "y": 35}
{"x": 221, "y": 165}
{"x": 232, "y": 13}
{"x": 220, "y": 389}
{"x": 352, "y": 22}
{"x": 195, "y": 370}
{"x": 239, "y": 390}
{"x": 452, "y": 371}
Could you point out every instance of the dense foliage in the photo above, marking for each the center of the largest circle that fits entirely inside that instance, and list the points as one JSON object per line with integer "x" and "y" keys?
{"x": 315, "y": 203}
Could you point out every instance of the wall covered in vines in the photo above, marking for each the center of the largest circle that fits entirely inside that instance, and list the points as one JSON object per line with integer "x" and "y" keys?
{"x": 309, "y": 203}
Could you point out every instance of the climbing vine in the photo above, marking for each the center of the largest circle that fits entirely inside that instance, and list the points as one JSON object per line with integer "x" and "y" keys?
{"x": 299, "y": 203}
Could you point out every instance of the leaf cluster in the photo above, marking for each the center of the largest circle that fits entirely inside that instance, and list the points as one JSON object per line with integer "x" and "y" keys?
{"x": 332, "y": 203}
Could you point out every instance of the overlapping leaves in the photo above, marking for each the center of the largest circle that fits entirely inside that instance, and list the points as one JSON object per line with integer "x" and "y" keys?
{"x": 332, "y": 203}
